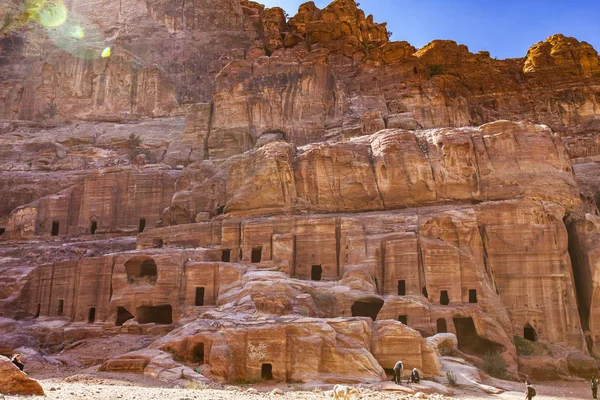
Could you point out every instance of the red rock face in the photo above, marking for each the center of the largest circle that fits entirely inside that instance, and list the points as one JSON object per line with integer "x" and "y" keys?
{"x": 294, "y": 198}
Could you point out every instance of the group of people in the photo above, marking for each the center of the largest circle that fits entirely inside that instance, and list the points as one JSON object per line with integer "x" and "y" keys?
{"x": 413, "y": 378}
{"x": 530, "y": 391}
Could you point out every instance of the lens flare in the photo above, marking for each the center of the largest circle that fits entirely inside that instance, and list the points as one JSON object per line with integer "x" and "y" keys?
{"x": 105, "y": 53}
{"x": 50, "y": 13}
{"x": 77, "y": 32}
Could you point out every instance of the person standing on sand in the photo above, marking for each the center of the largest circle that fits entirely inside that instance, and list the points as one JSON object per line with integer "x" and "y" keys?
{"x": 529, "y": 391}
{"x": 594, "y": 386}
{"x": 17, "y": 361}
{"x": 398, "y": 372}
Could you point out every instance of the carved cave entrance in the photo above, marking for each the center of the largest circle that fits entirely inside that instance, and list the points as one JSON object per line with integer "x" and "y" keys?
{"x": 444, "y": 299}
{"x": 472, "y": 296}
{"x": 441, "y": 325}
{"x": 529, "y": 333}
{"x": 142, "y": 225}
{"x": 424, "y": 292}
{"x": 2, "y": 231}
{"x": 199, "y": 353}
{"x": 226, "y": 255}
{"x": 256, "y": 254}
{"x": 199, "y": 300}
{"x": 55, "y": 228}
{"x": 92, "y": 315}
{"x": 367, "y": 308}
{"x": 402, "y": 288}
{"x": 403, "y": 319}
{"x": 141, "y": 270}
{"x": 157, "y": 243}
{"x": 469, "y": 340}
{"x": 158, "y": 315}
{"x": 122, "y": 316}
{"x": 266, "y": 372}
{"x": 61, "y": 306}
{"x": 93, "y": 227}
{"x": 316, "y": 272}
{"x": 38, "y": 308}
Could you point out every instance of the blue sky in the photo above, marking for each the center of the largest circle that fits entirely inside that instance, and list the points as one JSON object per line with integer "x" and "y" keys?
{"x": 505, "y": 28}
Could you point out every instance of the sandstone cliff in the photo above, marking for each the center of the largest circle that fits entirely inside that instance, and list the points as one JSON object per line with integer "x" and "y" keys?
{"x": 297, "y": 199}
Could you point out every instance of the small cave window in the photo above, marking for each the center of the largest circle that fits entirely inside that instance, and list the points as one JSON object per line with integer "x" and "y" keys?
{"x": 367, "y": 308}
{"x": 142, "y": 225}
{"x": 92, "y": 315}
{"x": 316, "y": 272}
{"x": 157, "y": 243}
{"x": 199, "y": 301}
{"x": 256, "y": 254}
{"x": 415, "y": 70}
{"x": 122, "y": 316}
{"x": 93, "y": 227}
{"x": 61, "y": 307}
{"x": 472, "y": 296}
{"x": 529, "y": 333}
{"x": 441, "y": 325}
{"x": 2, "y": 230}
{"x": 403, "y": 319}
{"x": 220, "y": 210}
{"x": 444, "y": 299}
{"x": 158, "y": 315}
{"x": 424, "y": 292}
{"x": 199, "y": 353}
{"x": 141, "y": 270}
{"x": 55, "y": 228}
{"x": 226, "y": 255}
{"x": 267, "y": 372}
{"x": 402, "y": 288}
{"x": 38, "y": 308}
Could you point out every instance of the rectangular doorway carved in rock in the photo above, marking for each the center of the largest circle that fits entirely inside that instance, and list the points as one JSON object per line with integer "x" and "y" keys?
{"x": 199, "y": 353}
{"x": 55, "y": 228}
{"x": 199, "y": 301}
{"x": 61, "y": 306}
{"x": 2, "y": 231}
{"x": 226, "y": 255}
{"x": 402, "y": 288}
{"x": 256, "y": 254}
{"x": 444, "y": 299}
{"x": 93, "y": 227}
{"x": 316, "y": 272}
{"x": 92, "y": 315}
{"x": 472, "y": 296}
{"x": 142, "y": 225}
{"x": 267, "y": 372}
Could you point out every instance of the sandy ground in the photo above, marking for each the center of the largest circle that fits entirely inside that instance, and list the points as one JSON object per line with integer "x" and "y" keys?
{"x": 135, "y": 387}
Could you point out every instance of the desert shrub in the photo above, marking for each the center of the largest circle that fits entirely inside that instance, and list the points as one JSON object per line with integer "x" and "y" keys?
{"x": 134, "y": 144}
{"x": 524, "y": 347}
{"x": 195, "y": 385}
{"x": 528, "y": 348}
{"x": 451, "y": 378}
{"x": 494, "y": 365}
{"x": 434, "y": 69}
{"x": 48, "y": 112}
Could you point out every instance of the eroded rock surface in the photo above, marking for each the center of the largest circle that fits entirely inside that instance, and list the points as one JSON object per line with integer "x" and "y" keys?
{"x": 297, "y": 199}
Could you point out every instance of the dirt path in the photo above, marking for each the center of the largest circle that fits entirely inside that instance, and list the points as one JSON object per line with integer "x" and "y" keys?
{"x": 132, "y": 387}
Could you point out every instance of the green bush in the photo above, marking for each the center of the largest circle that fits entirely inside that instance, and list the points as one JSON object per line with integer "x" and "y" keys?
{"x": 494, "y": 365}
{"x": 434, "y": 69}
